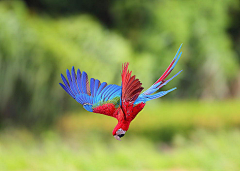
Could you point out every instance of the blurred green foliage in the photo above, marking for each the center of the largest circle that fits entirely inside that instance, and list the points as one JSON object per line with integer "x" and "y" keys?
{"x": 158, "y": 123}
{"x": 194, "y": 128}
{"x": 194, "y": 136}
{"x": 217, "y": 151}
{"x": 158, "y": 27}
{"x": 41, "y": 39}
{"x": 35, "y": 51}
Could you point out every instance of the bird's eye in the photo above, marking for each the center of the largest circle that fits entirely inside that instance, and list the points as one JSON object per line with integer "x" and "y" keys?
{"x": 121, "y": 135}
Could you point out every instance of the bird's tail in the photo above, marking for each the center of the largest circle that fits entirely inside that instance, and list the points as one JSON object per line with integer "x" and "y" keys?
{"x": 148, "y": 94}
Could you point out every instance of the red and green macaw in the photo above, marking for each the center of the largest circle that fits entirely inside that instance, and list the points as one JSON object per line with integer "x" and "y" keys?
{"x": 121, "y": 102}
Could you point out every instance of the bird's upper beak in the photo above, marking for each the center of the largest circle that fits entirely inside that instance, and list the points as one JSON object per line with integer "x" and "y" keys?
{"x": 117, "y": 137}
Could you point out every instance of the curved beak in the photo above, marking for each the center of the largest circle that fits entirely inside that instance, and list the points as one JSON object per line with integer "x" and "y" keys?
{"x": 117, "y": 137}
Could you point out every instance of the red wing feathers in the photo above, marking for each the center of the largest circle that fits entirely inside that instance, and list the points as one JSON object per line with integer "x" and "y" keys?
{"x": 131, "y": 87}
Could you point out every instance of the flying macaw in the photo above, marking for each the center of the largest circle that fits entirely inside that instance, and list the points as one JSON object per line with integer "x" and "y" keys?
{"x": 121, "y": 102}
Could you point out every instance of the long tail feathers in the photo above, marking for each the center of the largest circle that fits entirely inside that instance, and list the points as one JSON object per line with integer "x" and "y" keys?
{"x": 147, "y": 95}
{"x": 160, "y": 94}
{"x": 171, "y": 66}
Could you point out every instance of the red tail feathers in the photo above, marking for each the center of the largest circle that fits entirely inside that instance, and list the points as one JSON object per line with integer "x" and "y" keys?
{"x": 166, "y": 73}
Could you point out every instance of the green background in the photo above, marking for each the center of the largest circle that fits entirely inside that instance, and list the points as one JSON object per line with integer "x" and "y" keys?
{"x": 195, "y": 127}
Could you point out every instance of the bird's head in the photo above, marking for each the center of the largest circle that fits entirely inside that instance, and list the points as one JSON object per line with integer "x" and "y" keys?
{"x": 120, "y": 130}
{"x": 119, "y": 134}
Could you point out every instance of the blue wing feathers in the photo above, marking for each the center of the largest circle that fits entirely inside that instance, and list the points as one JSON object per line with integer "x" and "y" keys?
{"x": 79, "y": 100}
{"x": 96, "y": 85}
{"x": 70, "y": 82}
{"x": 109, "y": 90}
{"x": 67, "y": 90}
{"x": 79, "y": 80}
{"x": 74, "y": 80}
{"x": 83, "y": 82}
{"x": 64, "y": 80}
{"x": 112, "y": 93}
{"x": 88, "y": 108}
{"x": 77, "y": 86}
{"x": 67, "y": 86}
{"x": 101, "y": 87}
{"x": 105, "y": 91}
{"x": 92, "y": 82}
{"x": 116, "y": 94}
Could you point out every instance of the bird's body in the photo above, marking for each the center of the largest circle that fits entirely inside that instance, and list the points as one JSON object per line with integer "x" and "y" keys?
{"x": 121, "y": 102}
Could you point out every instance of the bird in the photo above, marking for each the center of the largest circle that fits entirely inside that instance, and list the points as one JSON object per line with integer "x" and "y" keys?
{"x": 121, "y": 102}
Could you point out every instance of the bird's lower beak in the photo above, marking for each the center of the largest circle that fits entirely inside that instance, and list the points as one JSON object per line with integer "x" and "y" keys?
{"x": 117, "y": 137}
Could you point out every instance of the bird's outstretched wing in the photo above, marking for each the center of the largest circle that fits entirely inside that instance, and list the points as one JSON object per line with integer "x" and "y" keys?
{"x": 148, "y": 94}
{"x": 95, "y": 96}
{"x": 131, "y": 88}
